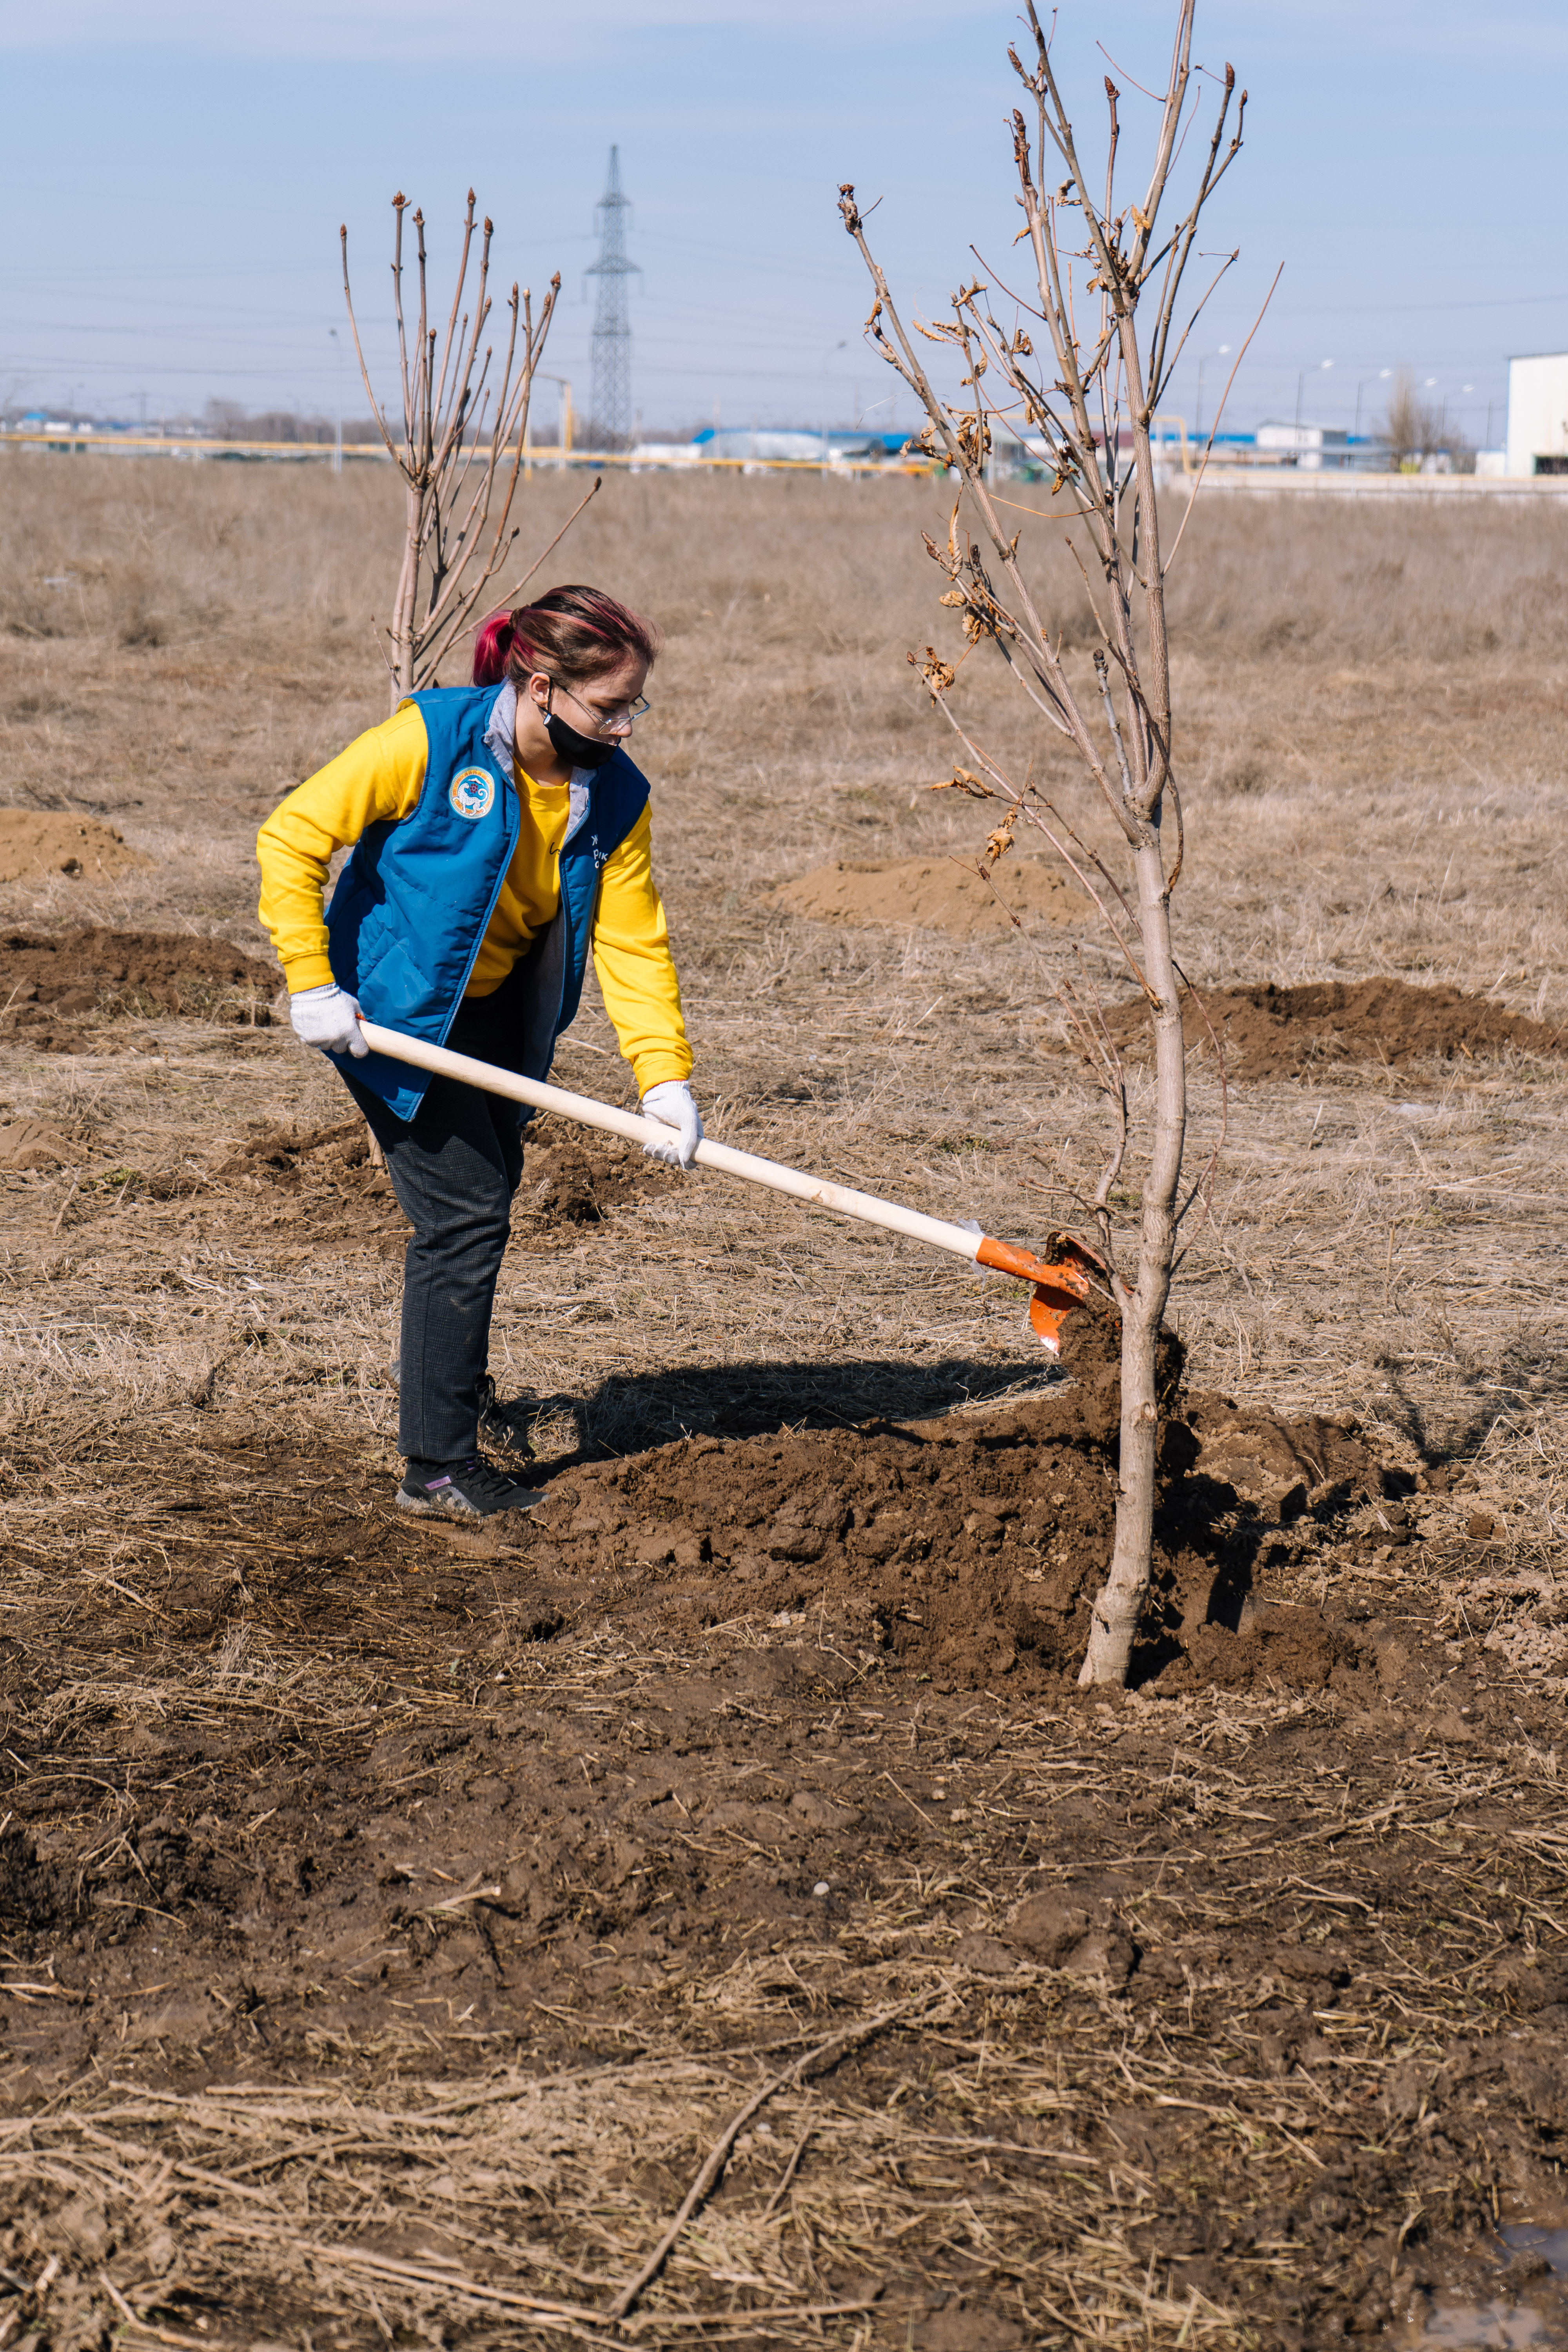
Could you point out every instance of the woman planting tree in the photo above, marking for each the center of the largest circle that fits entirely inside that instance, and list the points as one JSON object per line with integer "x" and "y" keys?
{"x": 501, "y": 832}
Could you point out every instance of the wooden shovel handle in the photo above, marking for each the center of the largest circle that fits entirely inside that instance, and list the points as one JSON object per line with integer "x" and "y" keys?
{"x": 1060, "y": 1281}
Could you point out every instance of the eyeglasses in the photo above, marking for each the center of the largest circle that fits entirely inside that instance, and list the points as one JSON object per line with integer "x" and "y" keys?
{"x": 617, "y": 721}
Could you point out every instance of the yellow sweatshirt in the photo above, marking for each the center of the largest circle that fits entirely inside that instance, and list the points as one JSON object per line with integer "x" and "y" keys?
{"x": 382, "y": 774}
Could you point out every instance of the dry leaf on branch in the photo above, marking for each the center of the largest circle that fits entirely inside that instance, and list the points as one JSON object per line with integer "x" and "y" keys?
{"x": 1000, "y": 842}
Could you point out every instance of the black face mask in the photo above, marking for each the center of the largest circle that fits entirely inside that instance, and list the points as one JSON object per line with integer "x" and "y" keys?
{"x": 581, "y": 750}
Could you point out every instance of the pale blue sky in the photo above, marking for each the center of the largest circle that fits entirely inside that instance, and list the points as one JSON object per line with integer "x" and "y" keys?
{"x": 173, "y": 177}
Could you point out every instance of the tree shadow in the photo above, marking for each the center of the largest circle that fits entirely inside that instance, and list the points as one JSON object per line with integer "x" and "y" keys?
{"x": 1530, "y": 1370}
{"x": 628, "y": 1413}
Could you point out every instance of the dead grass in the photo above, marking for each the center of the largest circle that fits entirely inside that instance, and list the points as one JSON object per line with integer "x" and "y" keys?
{"x": 788, "y": 729}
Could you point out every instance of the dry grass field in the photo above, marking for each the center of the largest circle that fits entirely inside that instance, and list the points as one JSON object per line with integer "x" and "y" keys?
{"x": 392, "y": 1921}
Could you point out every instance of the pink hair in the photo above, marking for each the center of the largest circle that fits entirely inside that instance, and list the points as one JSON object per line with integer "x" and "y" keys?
{"x": 570, "y": 633}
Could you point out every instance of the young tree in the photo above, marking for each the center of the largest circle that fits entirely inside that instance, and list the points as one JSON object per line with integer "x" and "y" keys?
{"x": 1107, "y": 287}
{"x": 460, "y": 449}
{"x": 1414, "y": 428}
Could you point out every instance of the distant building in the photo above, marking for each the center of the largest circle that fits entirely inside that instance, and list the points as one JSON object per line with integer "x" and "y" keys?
{"x": 801, "y": 444}
{"x": 1538, "y": 414}
{"x": 1314, "y": 448}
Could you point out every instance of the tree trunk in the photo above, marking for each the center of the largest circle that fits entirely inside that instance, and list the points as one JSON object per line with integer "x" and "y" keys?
{"x": 403, "y": 613}
{"x": 1114, "y": 1624}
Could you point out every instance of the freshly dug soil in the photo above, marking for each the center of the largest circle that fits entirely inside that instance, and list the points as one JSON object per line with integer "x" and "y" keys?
{"x": 964, "y": 1549}
{"x": 311, "y": 1802}
{"x": 323, "y": 1179}
{"x": 970, "y": 1550}
{"x": 571, "y": 1175}
{"x": 937, "y": 893}
{"x": 47, "y": 976}
{"x": 322, "y": 1821}
{"x": 1278, "y": 1032}
{"x": 35, "y": 843}
{"x": 320, "y": 1181}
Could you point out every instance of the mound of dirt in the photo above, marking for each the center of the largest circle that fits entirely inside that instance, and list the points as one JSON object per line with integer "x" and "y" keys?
{"x": 33, "y": 1143}
{"x": 322, "y": 1178}
{"x": 1279, "y": 1032}
{"x": 44, "y": 976}
{"x": 1270, "y": 1462}
{"x": 39, "y": 841}
{"x": 936, "y": 892}
{"x": 287, "y": 1157}
{"x": 572, "y": 1175}
{"x": 325, "y": 1177}
{"x": 969, "y": 1549}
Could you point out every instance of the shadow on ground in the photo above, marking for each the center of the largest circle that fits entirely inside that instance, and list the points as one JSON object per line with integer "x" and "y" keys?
{"x": 628, "y": 1415}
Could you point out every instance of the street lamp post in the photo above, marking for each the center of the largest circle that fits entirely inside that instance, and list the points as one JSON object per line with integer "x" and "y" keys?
{"x": 1222, "y": 353}
{"x": 826, "y": 355}
{"x": 564, "y": 426}
{"x": 1429, "y": 383}
{"x": 1300, "y": 386}
{"x": 338, "y": 378}
{"x": 1380, "y": 377}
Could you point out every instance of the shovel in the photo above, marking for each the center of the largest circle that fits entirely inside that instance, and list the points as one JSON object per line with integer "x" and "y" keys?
{"x": 1062, "y": 1279}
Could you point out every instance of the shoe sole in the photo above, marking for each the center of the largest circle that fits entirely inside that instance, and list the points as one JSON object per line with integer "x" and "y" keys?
{"x": 424, "y": 1508}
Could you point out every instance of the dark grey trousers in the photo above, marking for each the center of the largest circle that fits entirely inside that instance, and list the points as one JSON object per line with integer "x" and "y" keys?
{"x": 454, "y": 1168}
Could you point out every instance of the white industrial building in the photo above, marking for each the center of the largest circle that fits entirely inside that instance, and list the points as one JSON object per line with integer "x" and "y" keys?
{"x": 1538, "y": 414}
{"x": 1310, "y": 448}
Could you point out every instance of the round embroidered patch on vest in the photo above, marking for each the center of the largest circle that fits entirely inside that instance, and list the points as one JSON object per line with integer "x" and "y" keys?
{"x": 472, "y": 792}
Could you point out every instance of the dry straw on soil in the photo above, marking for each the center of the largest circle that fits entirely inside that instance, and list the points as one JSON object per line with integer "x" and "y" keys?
{"x": 209, "y": 1617}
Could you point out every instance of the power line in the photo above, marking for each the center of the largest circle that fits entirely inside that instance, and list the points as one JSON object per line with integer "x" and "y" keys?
{"x": 1379, "y": 309}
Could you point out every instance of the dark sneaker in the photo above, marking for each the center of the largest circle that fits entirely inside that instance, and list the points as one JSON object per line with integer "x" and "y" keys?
{"x": 463, "y": 1490}
{"x": 496, "y": 1422}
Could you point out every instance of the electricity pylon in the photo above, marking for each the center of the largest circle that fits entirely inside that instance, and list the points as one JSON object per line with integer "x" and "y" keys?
{"x": 612, "y": 380}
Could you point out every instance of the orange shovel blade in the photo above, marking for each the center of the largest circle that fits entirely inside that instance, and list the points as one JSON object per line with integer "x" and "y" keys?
{"x": 1062, "y": 1282}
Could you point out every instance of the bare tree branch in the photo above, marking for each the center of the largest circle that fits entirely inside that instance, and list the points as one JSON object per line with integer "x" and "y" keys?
{"x": 465, "y": 419}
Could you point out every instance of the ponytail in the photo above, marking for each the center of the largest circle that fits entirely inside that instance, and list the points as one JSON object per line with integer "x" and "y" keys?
{"x": 491, "y": 647}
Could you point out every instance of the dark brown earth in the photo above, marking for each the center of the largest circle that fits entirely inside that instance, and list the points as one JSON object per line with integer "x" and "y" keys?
{"x": 48, "y": 982}
{"x": 963, "y": 1551}
{"x": 228, "y": 1887}
{"x": 572, "y": 1175}
{"x": 325, "y": 1178}
{"x": 322, "y": 1180}
{"x": 1274, "y": 1033}
{"x": 969, "y": 1553}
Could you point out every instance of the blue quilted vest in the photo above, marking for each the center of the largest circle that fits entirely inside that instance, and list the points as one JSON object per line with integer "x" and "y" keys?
{"x": 413, "y": 901}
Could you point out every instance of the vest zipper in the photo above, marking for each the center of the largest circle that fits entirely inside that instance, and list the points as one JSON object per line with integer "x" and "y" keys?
{"x": 511, "y": 808}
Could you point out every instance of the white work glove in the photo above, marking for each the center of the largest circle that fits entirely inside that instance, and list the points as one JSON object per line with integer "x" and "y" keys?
{"x": 672, "y": 1103}
{"x": 327, "y": 1017}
